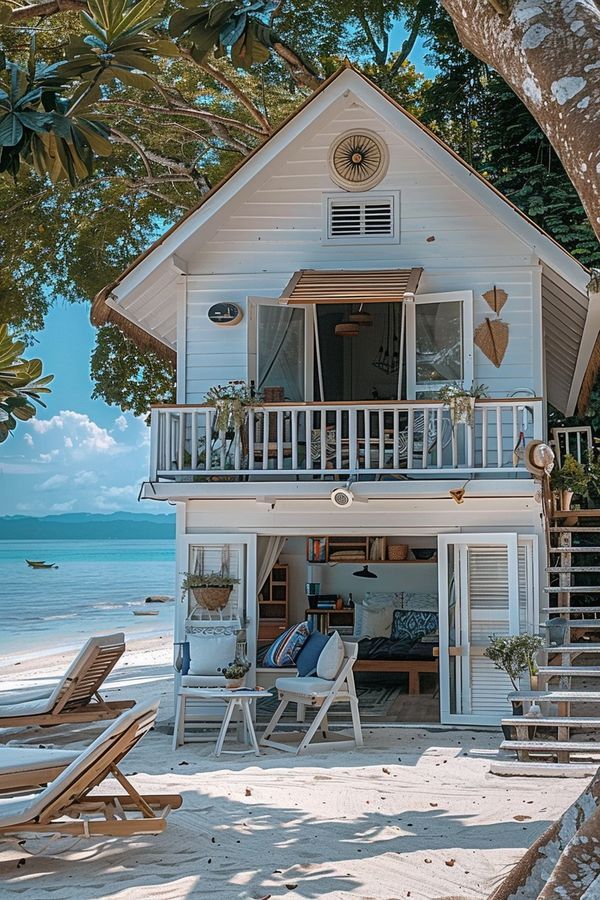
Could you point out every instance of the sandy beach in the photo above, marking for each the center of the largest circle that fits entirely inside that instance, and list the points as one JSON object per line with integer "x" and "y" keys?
{"x": 415, "y": 814}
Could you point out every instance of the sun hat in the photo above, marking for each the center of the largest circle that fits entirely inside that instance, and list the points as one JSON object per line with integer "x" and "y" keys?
{"x": 539, "y": 458}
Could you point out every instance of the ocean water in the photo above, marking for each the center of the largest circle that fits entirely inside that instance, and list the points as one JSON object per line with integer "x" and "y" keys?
{"x": 95, "y": 589}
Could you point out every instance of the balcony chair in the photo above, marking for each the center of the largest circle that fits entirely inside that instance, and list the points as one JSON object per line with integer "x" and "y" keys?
{"x": 320, "y": 694}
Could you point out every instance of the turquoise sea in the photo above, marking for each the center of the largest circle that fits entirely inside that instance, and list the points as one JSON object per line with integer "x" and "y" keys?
{"x": 95, "y": 589}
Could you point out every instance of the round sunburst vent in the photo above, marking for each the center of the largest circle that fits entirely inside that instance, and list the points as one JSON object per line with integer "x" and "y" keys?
{"x": 358, "y": 160}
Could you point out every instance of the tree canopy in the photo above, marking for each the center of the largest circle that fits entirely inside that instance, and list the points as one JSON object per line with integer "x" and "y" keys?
{"x": 116, "y": 116}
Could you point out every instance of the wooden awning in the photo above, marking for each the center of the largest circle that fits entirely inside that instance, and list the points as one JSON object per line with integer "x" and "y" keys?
{"x": 343, "y": 286}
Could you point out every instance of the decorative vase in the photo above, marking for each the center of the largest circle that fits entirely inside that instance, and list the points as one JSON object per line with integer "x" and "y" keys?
{"x": 232, "y": 683}
{"x": 533, "y": 682}
{"x": 212, "y": 597}
{"x": 566, "y": 498}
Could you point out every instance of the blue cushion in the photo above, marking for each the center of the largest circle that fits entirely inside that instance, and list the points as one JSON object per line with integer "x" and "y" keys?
{"x": 285, "y": 649}
{"x": 185, "y": 657}
{"x": 306, "y": 663}
{"x": 413, "y": 624}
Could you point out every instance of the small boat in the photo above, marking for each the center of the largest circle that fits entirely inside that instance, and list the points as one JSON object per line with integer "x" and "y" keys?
{"x": 145, "y": 612}
{"x": 40, "y": 564}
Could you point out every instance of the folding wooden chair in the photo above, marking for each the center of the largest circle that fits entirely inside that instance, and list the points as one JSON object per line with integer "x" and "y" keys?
{"x": 68, "y": 806}
{"x": 75, "y": 698}
{"x": 320, "y": 694}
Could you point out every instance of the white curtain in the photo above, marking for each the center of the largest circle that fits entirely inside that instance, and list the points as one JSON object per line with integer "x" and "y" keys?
{"x": 268, "y": 548}
{"x": 281, "y": 350}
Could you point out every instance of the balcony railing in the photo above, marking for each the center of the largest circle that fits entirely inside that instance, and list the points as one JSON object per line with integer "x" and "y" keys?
{"x": 412, "y": 438}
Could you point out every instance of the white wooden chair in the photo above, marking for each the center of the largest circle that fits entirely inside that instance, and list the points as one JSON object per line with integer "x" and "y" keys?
{"x": 320, "y": 694}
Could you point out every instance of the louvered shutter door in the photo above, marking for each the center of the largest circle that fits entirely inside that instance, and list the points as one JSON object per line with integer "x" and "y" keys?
{"x": 488, "y": 590}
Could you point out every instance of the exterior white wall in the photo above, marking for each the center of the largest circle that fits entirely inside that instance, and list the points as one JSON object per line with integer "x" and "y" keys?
{"x": 277, "y": 228}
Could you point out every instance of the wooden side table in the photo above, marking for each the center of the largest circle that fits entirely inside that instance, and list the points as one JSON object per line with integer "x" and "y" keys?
{"x": 234, "y": 700}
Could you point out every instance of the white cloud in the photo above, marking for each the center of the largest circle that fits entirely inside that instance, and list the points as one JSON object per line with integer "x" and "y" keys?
{"x": 121, "y": 423}
{"x": 53, "y": 483}
{"x": 113, "y": 498}
{"x": 85, "y": 478}
{"x": 83, "y": 434}
{"x": 48, "y": 457}
{"x": 28, "y": 439}
{"x": 68, "y": 443}
{"x": 67, "y": 506}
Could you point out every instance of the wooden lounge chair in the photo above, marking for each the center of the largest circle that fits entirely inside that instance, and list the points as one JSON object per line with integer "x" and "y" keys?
{"x": 76, "y": 697}
{"x": 321, "y": 694}
{"x": 68, "y": 806}
{"x": 23, "y": 769}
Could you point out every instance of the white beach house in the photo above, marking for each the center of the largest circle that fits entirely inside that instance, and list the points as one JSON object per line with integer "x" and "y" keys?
{"x": 348, "y": 269}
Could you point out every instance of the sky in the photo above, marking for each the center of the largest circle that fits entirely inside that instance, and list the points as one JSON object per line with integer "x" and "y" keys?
{"x": 79, "y": 454}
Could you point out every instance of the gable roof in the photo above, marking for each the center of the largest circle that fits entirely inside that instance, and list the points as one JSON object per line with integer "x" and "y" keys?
{"x": 106, "y": 306}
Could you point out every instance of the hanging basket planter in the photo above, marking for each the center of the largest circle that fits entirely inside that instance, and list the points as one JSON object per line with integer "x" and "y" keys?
{"x": 212, "y": 598}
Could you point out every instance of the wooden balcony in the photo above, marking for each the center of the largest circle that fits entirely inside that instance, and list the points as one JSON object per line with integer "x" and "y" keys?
{"x": 366, "y": 440}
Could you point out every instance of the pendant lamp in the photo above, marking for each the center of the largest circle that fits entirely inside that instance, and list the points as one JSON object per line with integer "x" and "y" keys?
{"x": 364, "y": 573}
{"x": 346, "y": 329}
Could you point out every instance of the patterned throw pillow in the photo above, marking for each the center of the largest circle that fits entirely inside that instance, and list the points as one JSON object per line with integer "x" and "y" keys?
{"x": 427, "y": 602}
{"x": 413, "y": 624}
{"x": 373, "y": 614}
{"x": 285, "y": 649}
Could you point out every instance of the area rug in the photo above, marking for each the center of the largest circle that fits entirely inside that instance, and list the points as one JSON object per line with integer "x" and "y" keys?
{"x": 374, "y": 702}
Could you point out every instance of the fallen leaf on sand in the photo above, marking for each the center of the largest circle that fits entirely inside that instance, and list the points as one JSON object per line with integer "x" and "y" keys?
{"x": 450, "y": 862}
{"x": 248, "y": 792}
{"x": 433, "y": 804}
{"x": 291, "y": 886}
{"x": 428, "y": 860}
{"x": 521, "y": 818}
{"x": 385, "y": 771}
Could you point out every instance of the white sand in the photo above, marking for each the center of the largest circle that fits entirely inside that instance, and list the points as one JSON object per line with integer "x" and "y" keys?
{"x": 415, "y": 814}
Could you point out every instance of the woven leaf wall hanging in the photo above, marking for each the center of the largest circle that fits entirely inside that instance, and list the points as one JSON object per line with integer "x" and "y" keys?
{"x": 492, "y": 339}
{"x": 496, "y": 298}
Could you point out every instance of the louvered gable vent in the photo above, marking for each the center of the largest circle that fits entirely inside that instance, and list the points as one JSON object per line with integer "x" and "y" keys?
{"x": 357, "y": 219}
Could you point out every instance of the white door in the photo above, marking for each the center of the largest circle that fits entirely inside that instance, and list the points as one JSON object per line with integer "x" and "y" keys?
{"x": 280, "y": 347}
{"x": 234, "y": 554}
{"x": 482, "y": 585}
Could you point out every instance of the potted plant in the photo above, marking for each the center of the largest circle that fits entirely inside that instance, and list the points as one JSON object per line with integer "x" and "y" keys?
{"x": 235, "y": 673}
{"x": 516, "y": 655}
{"x": 461, "y": 401}
{"x": 231, "y": 402}
{"x": 570, "y": 479}
{"x": 210, "y": 590}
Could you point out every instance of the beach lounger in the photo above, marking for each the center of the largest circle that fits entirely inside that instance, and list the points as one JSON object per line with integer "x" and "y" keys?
{"x": 75, "y": 698}
{"x": 29, "y": 768}
{"x": 68, "y": 806}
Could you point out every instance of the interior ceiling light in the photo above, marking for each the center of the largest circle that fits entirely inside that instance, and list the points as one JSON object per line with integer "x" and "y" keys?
{"x": 361, "y": 318}
{"x": 346, "y": 329}
{"x": 365, "y": 573}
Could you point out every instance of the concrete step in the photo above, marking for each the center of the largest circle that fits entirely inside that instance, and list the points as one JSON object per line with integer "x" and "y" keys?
{"x": 588, "y": 671}
{"x": 526, "y": 768}
{"x": 552, "y": 746}
{"x": 556, "y": 696}
{"x": 583, "y": 647}
{"x": 591, "y": 722}
{"x": 574, "y": 589}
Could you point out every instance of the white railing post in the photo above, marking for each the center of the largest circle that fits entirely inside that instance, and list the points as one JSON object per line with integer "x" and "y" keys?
{"x": 155, "y": 435}
{"x": 352, "y": 439}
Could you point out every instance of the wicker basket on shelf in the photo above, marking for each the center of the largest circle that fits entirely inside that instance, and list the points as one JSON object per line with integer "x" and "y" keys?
{"x": 397, "y": 552}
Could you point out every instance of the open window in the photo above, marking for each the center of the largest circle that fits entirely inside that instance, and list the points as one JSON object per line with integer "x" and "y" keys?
{"x": 280, "y": 351}
{"x": 439, "y": 347}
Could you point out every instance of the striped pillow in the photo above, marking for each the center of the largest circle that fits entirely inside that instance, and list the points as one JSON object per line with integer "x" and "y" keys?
{"x": 285, "y": 649}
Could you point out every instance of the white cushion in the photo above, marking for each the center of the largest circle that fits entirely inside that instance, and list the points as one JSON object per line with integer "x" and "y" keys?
{"x": 33, "y": 759}
{"x": 304, "y": 686}
{"x": 210, "y": 653}
{"x": 373, "y": 614}
{"x": 331, "y": 657}
{"x": 202, "y": 681}
{"x": 425, "y": 602}
{"x": 26, "y": 694}
{"x": 28, "y": 708}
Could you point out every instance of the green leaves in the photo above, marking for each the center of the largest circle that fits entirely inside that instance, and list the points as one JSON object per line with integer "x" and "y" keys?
{"x": 21, "y": 382}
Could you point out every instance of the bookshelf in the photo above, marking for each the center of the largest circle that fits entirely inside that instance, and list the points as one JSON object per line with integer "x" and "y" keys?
{"x": 273, "y": 604}
{"x": 354, "y": 550}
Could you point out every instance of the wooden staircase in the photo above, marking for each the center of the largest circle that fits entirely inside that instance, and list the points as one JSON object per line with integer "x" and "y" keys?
{"x": 565, "y": 739}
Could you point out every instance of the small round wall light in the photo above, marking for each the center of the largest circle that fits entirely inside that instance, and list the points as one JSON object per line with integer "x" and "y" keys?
{"x": 225, "y": 314}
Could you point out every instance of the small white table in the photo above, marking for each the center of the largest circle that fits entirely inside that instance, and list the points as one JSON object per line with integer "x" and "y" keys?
{"x": 235, "y": 699}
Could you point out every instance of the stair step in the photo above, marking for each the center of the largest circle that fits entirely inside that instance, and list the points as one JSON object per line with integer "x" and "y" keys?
{"x": 574, "y": 589}
{"x": 557, "y": 696}
{"x": 593, "y": 671}
{"x": 543, "y": 769}
{"x": 552, "y": 746}
{"x": 559, "y": 610}
{"x": 584, "y": 647}
{"x": 565, "y": 570}
{"x": 554, "y": 721}
{"x": 577, "y": 528}
{"x": 575, "y": 549}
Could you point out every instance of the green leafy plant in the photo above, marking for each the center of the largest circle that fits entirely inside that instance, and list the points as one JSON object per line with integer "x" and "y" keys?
{"x": 208, "y": 579}
{"x": 461, "y": 401}
{"x": 231, "y": 402}
{"x": 572, "y": 476}
{"x": 21, "y": 382}
{"x": 515, "y": 654}
{"x": 236, "y": 670}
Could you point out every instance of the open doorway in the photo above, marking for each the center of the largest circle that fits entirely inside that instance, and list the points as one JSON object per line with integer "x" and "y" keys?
{"x": 396, "y": 673}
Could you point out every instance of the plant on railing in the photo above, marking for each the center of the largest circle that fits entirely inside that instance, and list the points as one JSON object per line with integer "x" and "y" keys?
{"x": 572, "y": 478}
{"x": 231, "y": 402}
{"x": 461, "y": 401}
{"x": 515, "y": 655}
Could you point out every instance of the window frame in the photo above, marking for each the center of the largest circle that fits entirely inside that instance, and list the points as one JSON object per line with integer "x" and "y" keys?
{"x": 361, "y": 197}
{"x": 253, "y": 337}
{"x": 466, "y": 298}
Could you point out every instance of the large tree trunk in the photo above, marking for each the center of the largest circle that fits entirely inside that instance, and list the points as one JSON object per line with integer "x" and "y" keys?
{"x": 548, "y": 52}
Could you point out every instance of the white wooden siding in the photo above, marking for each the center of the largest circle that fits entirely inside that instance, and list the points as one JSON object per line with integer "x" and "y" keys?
{"x": 277, "y": 228}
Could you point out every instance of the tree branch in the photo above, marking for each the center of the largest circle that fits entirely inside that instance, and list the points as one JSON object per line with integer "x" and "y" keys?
{"x": 379, "y": 53}
{"x": 48, "y": 8}
{"x": 300, "y": 71}
{"x": 191, "y": 111}
{"x": 409, "y": 43}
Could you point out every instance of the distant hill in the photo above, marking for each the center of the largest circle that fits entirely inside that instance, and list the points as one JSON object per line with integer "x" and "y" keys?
{"x": 88, "y": 527}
